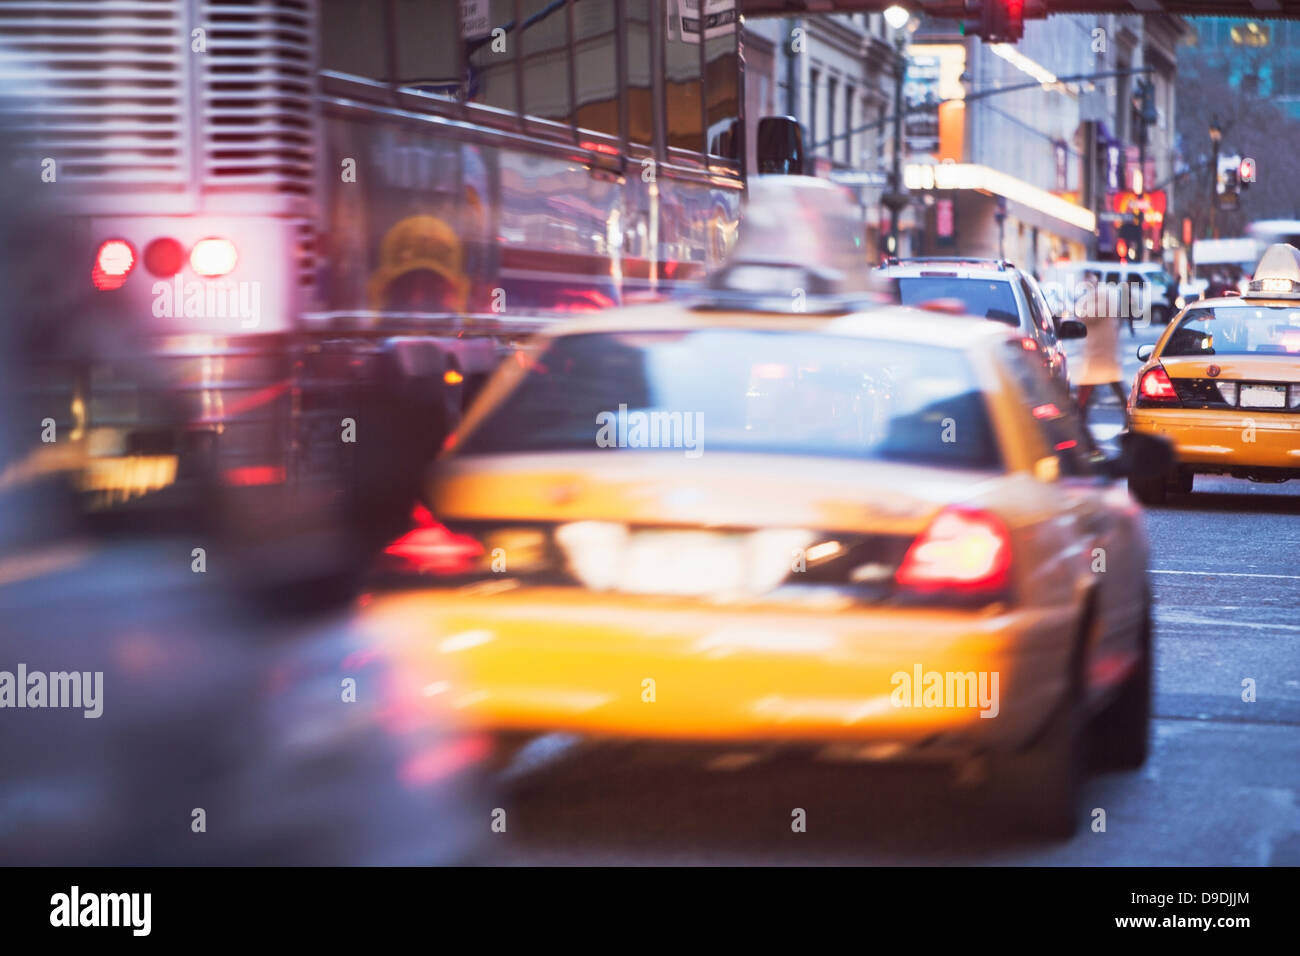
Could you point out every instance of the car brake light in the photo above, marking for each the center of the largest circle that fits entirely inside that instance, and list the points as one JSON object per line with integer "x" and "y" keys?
{"x": 429, "y": 547}
{"x": 164, "y": 257}
{"x": 1156, "y": 386}
{"x": 963, "y": 549}
{"x": 212, "y": 258}
{"x": 113, "y": 263}
{"x": 1028, "y": 344}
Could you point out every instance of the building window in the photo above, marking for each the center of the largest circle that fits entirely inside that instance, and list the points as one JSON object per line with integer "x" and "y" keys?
{"x": 595, "y": 66}
{"x": 1250, "y": 33}
{"x": 722, "y": 94}
{"x": 640, "y": 74}
{"x": 491, "y": 79}
{"x": 832, "y": 87}
{"x": 682, "y": 89}
{"x": 546, "y": 59}
{"x": 353, "y": 40}
{"x": 850, "y": 98}
{"x": 814, "y": 79}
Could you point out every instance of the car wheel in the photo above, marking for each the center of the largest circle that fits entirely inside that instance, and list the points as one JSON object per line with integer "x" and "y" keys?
{"x": 1121, "y": 733}
{"x": 1037, "y": 790}
{"x": 1149, "y": 491}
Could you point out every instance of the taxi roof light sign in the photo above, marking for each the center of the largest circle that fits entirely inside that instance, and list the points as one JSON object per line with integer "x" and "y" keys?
{"x": 1278, "y": 272}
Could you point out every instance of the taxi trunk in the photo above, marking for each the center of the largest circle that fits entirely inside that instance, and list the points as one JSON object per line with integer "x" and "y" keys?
{"x": 1236, "y": 414}
{"x": 659, "y": 601}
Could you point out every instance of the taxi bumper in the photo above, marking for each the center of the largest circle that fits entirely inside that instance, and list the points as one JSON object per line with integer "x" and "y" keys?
{"x": 1225, "y": 440}
{"x": 564, "y": 659}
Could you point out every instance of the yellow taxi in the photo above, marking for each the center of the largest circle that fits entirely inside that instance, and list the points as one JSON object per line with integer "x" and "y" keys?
{"x": 1222, "y": 384}
{"x": 876, "y": 531}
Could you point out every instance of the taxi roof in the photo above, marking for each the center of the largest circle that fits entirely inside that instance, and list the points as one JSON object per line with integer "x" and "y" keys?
{"x": 894, "y": 323}
{"x": 959, "y": 268}
{"x": 1255, "y": 299}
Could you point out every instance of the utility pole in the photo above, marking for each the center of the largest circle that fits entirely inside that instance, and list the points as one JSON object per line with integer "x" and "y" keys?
{"x": 896, "y": 199}
{"x": 1216, "y": 134}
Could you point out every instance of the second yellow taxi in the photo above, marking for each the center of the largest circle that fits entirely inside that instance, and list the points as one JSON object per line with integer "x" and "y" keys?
{"x": 1222, "y": 384}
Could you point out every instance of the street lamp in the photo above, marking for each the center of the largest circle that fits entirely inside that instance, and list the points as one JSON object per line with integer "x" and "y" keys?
{"x": 897, "y": 16}
{"x": 895, "y": 199}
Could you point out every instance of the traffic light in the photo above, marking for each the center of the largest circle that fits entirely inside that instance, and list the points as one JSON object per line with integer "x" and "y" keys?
{"x": 1002, "y": 21}
{"x": 1144, "y": 108}
{"x": 1129, "y": 244}
{"x": 1245, "y": 172}
{"x": 1147, "y": 107}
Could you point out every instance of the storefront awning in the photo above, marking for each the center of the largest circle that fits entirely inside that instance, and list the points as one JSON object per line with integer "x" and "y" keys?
{"x": 927, "y": 176}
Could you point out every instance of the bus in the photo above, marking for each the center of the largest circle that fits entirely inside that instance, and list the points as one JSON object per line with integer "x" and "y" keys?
{"x": 307, "y": 230}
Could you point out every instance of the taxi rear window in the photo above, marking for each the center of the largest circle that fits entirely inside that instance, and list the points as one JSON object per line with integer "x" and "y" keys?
{"x": 740, "y": 390}
{"x": 1237, "y": 330}
{"x": 989, "y": 299}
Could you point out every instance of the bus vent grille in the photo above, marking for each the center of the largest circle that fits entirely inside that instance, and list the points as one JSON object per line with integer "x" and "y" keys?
{"x": 99, "y": 88}
{"x": 257, "y": 96}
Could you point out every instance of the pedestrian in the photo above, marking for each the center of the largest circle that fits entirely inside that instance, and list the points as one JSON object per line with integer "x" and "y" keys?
{"x": 1101, "y": 346}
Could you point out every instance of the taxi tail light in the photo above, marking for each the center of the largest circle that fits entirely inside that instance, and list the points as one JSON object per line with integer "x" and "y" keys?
{"x": 1155, "y": 388}
{"x": 430, "y": 547}
{"x": 963, "y": 550}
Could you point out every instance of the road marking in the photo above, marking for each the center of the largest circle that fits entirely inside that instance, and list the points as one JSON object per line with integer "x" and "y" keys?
{"x": 1231, "y": 574}
{"x": 1174, "y": 617}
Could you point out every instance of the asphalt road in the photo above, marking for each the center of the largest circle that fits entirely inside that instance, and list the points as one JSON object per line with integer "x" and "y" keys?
{"x": 1221, "y": 786}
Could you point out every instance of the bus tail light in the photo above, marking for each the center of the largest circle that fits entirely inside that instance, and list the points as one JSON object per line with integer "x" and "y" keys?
{"x": 212, "y": 258}
{"x": 164, "y": 257}
{"x": 1156, "y": 388}
{"x": 963, "y": 550}
{"x": 113, "y": 263}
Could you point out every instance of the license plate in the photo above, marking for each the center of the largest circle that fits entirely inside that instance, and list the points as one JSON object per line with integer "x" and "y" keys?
{"x": 1263, "y": 396}
{"x": 682, "y": 562}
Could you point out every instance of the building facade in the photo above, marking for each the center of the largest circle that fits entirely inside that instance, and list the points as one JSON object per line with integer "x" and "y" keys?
{"x": 1033, "y": 151}
{"x": 836, "y": 75}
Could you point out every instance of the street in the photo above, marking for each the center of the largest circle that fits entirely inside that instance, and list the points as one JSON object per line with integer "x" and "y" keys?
{"x": 1222, "y": 786}
{"x": 397, "y": 398}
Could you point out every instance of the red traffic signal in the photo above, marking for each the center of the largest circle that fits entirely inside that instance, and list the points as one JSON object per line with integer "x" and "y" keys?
{"x": 1246, "y": 171}
{"x": 1002, "y": 21}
